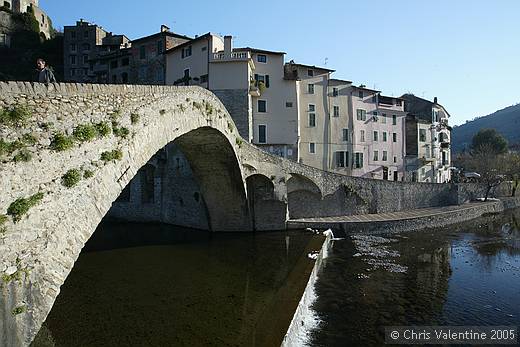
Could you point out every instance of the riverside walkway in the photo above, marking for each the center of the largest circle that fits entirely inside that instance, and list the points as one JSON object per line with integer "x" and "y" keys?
{"x": 402, "y": 220}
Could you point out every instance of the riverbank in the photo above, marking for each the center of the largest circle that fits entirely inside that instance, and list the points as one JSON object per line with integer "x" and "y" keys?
{"x": 409, "y": 220}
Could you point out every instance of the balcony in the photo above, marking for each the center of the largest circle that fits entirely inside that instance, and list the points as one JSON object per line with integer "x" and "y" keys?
{"x": 234, "y": 56}
{"x": 254, "y": 91}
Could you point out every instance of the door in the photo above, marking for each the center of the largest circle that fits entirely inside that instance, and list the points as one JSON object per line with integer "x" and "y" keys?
{"x": 385, "y": 173}
{"x": 396, "y": 176}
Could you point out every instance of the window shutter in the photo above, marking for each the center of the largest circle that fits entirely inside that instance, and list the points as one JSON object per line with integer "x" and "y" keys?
{"x": 256, "y": 80}
{"x": 267, "y": 81}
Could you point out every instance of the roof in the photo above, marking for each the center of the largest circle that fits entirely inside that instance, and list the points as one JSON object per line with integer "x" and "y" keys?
{"x": 256, "y": 50}
{"x": 392, "y": 97}
{"x": 310, "y": 66}
{"x": 367, "y": 89}
{"x": 341, "y": 81}
{"x": 187, "y": 43}
{"x": 419, "y": 106}
{"x": 167, "y": 33}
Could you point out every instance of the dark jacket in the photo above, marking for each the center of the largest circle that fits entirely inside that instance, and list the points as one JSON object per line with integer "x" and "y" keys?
{"x": 45, "y": 76}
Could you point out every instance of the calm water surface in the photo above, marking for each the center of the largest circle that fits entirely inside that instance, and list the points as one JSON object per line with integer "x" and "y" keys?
{"x": 153, "y": 285}
{"x": 467, "y": 274}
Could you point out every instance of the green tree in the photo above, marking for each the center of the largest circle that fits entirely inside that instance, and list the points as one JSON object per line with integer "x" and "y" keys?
{"x": 489, "y": 140}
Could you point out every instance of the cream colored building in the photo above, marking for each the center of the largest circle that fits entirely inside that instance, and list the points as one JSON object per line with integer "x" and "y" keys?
{"x": 23, "y": 6}
{"x": 428, "y": 153}
{"x": 296, "y": 111}
{"x": 250, "y": 83}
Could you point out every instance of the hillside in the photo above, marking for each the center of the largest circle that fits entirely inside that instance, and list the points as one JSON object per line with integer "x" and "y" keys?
{"x": 505, "y": 121}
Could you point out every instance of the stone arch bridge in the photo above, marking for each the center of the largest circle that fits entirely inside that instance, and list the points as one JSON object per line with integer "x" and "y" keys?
{"x": 174, "y": 155}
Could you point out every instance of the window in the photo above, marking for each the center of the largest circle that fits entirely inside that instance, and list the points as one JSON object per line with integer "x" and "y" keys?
{"x": 203, "y": 49}
{"x": 312, "y": 108}
{"x": 73, "y": 47}
{"x": 159, "y": 47}
{"x": 73, "y": 60}
{"x": 310, "y": 73}
{"x": 362, "y": 137}
{"x": 384, "y": 136}
{"x": 394, "y": 137}
{"x": 394, "y": 119}
{"x": 422, "y": 135}
{"x": 312, "y": 120}
{"x": 85, "y": 46}
{"x": 336, "y": 111}
{"x": 310, "y": 88}
{"x": 360, "y": 94}
{"x": 288, "y": 104}
{"x": 125, "y": 62}
{"x": 335, "y": 92}
{"x": 395, "y": 159}
{"x": 376, "y": 155}
{"x": 383, "y": 118}
{"x": 85, "y": 34}
{"x": 427, "y": 151}
{"x": 312, "y": 147}
{"x": 345, "y": 135}
{"x": 342, "y": 159}
{"x": 444, "y": 158}
{"x": 361, "y": 114}
{"x": 72, "y": 72}
{"x": 186, "y": 52}
{"x": 261, "y": 58}
{"x": 374, "y": 116}
{"x": 262, "y": 78}
{"x": 85, "y": 59}
{"x": 262, "y": 106}
{"x": 385, "y": 155}
{"x": 262, "y": 133}
{"x": 376, "y": 136}
{"x": 72, "y": 34}
{"x": 204, "y": 78}
{"x": 142, "y": 52}
{"x": 358, "y": 160}
{"x": 374, "y": 98}
{"x": 398, "y": 102}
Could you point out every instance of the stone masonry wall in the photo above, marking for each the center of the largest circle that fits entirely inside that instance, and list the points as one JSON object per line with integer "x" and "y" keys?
{"x": 237, "y": 104}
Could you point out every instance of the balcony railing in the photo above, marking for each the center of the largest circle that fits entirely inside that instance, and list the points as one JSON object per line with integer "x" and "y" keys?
{"x": 222, "y": 56}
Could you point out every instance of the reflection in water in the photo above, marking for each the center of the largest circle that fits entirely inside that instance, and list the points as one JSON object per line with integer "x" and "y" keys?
{"x": 155, "y": 285}
{"x": 468, "y": 274}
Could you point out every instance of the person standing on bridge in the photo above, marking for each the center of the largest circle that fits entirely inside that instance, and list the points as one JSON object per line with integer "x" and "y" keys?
{"x": 45, "y": 75}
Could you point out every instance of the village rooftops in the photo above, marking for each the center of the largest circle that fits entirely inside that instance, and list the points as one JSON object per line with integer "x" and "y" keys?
{"x": 340, "y": 81}
{"x": 256, "y": 50}
{"x": 159, "y": 34}
{"x": 190, "y": 42}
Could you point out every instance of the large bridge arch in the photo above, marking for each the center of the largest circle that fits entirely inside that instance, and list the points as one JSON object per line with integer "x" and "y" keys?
{"x": 50, "y": 236}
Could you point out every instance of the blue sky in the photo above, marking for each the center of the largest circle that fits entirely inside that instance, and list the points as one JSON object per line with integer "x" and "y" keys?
{"x": 465, "y": 52}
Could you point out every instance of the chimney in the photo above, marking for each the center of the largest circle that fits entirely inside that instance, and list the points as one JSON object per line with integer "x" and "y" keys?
{"x": 164, "y": 28}
{"x": 227, "y": 45}
{"x": 435, "y": 100}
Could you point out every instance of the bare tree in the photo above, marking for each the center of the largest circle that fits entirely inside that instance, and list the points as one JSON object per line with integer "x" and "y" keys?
{"x": 491, "y": 166}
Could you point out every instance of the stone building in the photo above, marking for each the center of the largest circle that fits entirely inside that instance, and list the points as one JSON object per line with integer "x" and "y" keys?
{"x": 428, "y": 153}
{"x": 23, "y": 6}
{"x": 94, "y": 55}
{"x": 81, "y": 43}
{"x": 148, "y": 61}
